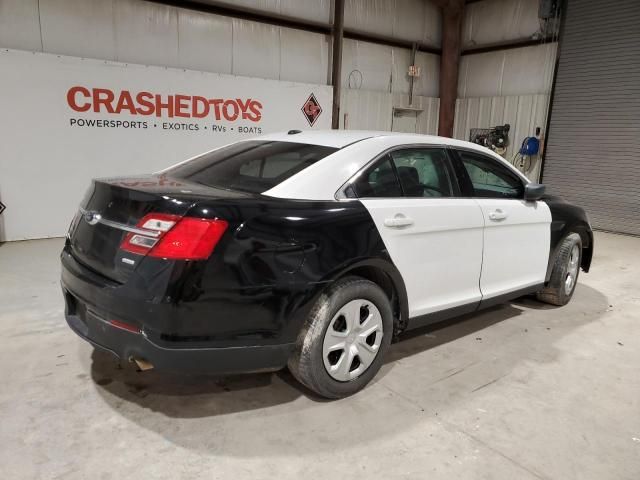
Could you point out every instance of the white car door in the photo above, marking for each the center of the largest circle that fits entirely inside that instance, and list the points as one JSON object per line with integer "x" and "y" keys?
{"x": 433, "y": 236}
{"x": 517, "y": 232}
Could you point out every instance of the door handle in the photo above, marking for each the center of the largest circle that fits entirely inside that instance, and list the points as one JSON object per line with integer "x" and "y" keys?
{"x": 398, "y": 221}
{"x": 498, "y": 215}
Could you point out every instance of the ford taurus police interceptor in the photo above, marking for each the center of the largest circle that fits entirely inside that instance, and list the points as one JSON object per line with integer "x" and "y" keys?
{"x": 311, "y": 250}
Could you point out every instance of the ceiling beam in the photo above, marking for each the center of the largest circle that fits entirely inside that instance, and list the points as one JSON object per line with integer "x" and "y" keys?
{"x": 269, "y": 18}
{"x": 511, "y": 44}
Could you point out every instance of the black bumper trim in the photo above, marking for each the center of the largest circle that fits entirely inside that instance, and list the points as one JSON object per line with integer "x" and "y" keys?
{"x": 127, "y": 345}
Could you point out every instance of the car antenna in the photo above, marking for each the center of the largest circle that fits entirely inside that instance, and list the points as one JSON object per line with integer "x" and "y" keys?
{"x": 293, "y": 132}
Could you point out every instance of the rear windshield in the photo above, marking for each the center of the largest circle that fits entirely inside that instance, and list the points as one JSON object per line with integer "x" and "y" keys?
{"x": 254, "y": 166}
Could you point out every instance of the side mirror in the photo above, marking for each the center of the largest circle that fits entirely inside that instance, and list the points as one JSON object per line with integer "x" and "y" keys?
{"x": 533, "y": 191}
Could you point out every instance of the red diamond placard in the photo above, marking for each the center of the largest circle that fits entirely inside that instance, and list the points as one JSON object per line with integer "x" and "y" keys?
{"x": 311, "y": 109}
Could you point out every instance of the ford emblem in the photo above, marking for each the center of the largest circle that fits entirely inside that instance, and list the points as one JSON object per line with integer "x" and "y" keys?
{"x": 91, "y": 217}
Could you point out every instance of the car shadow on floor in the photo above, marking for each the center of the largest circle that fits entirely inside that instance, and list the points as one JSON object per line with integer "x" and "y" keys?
{"x": 180, "y": 396}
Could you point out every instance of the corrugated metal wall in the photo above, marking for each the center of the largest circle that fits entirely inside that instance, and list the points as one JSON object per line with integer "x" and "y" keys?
{"x": 519, "y": 71}
{"x": 495, "y": 21}
{"x": 414, "y": 20}
{"x": 523, "y": 112}
{"x": 375, "y": 81}
{"x": 374, "y": 77}
{"x": 369, "y": 110}
{"x": 505, "y": 86}
{"x": 315, "y": 10}
{"x": 135, "y": 31}
{"x": 593, "y": 151}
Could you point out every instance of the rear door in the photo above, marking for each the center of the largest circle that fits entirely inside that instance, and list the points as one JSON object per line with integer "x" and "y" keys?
{"x": 433, "y": 236}
{"x": 517, "y": 232}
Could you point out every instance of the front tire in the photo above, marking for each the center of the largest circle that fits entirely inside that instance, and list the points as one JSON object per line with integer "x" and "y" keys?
{"x": 342, "y": 344}
{"x": 564, "y": 276}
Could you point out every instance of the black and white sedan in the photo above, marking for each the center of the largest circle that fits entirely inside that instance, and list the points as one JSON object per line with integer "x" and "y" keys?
{"x": 311, "y": 250}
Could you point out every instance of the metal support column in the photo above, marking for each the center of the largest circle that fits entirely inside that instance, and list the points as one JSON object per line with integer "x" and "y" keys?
{"x": 336, "y": 65}
{"x": 452, "y": 15}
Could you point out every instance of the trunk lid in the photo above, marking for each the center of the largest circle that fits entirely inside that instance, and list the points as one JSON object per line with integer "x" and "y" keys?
{"x": 112, "y": 205}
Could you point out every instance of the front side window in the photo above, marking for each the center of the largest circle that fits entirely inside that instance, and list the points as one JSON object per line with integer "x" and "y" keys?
{"x": 423, "y": 172}
{"x": 489, "y": 178}
{"x": 253, "y": 166}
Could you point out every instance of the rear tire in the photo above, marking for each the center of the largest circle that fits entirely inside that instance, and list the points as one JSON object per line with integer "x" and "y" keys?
{"x": 342, "y": 345}
{"x": 564, "y": 276}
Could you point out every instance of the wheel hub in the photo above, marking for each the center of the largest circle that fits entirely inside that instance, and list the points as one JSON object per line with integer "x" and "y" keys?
{"x": 352, "y": 340}
{"x": 572, "y": 270}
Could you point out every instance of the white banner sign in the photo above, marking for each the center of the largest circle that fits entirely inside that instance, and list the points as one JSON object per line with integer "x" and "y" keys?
{"x": 66, "y": 120}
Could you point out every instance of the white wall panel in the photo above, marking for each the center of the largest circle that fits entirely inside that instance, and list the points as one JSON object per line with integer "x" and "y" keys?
{"x": 146, "y": 33}
{"x": 368, "y": 110}
{"x": 400, "y": 61}
{"x": 518, "y": 71}
{"x": 315, "y": 10}
{"x": 414, "y": 20}
{"x": 494, "y": 21}
{"x": 428, "y": 117}
{"x": 304, "y": 56}
{"x": 428, "y": 84}
{"x": 368, "y": 62}
{"x": 432, "y": 31}
{"x": 256, "y": 49}
{"x": 265, "y": 5}
{"x": 64, "y": 22}
{"x": 205, "y": 41}
{"x": 408, "y": 19}
{"x": 370, "y": 66}
{"x": 370, "y": 16}
{"x": 528, "y": 70}
{"x": 136, "y": 31}
{"x": 365, "y": 110}
{"x": 20, "y": 25}
{"x": 480, "y": 75}
{"x": 523, "y": 113}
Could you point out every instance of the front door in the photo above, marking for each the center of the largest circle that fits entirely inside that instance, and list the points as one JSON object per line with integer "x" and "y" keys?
{"x": 517, "y": 232}
{"x": 433, "y": 237}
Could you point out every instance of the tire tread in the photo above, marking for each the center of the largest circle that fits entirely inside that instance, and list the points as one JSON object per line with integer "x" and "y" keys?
{"x": 553, "y": 293}
{"x": 301, "y": 363}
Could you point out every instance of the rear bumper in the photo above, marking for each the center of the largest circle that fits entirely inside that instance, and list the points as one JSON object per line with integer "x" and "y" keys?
{"x": 127, "y": 346}
{"x": 90, "y": 305}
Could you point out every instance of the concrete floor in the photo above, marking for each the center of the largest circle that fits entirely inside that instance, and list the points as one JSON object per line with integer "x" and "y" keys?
{"x": 522, "y": 391}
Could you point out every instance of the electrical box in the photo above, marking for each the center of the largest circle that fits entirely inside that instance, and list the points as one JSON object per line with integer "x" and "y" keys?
{"x": 547, "y": 9}
{"x": 414, "y": 71}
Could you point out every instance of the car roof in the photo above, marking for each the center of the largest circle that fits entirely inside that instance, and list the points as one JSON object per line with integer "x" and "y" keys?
{"x": 344, "y": 138}
{"x": 327, "y": 138}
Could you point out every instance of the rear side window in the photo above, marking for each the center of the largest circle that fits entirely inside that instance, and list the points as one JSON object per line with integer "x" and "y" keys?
{"x": 423, "y": 172}
{"x": 379, "y": 181}
{"x": 408, "y": 172}
{"x": 254, "y": 166}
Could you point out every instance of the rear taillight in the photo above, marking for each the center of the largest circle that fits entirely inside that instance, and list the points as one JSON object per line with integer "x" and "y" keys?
{"x": 174, "y": 237}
